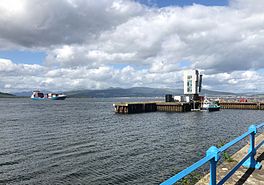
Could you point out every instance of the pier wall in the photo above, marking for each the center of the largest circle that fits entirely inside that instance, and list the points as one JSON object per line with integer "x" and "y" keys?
{"x": 141, "y": 107}
{"x": 130, "y": 108}
{"x": 242, "y": 105}
{"x": 174, "y": 107}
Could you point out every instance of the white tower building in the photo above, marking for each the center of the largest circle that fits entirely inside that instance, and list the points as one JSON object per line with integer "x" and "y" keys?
{"x": 192, "y": 82}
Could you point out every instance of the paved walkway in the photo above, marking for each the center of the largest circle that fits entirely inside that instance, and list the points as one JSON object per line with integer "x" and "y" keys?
{"x": 243, "y": 175}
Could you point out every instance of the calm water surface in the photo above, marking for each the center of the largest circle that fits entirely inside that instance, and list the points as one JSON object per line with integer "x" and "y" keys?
{"x": 82, "y": 141}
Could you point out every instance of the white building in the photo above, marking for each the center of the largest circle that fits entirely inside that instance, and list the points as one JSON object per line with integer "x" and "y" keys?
{"x": 192, "y": 82}
{"x": 181, "y": 98}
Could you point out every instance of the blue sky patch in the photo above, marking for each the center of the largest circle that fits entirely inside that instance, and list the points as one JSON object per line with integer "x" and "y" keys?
{"x": 24, "y": 57}
{"x": 184, "y": 64}
{"x": 164, "y": 3}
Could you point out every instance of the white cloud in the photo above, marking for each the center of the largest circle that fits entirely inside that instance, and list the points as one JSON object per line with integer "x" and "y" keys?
{"x": 64, "y": 53}
{"x": 12, "y": 69}
{"x": 103, "y": 56}
{"x": 11, "y": 8}
{"x": 86, "y": 41}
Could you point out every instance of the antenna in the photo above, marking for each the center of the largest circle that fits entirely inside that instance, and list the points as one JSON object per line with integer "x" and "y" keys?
{"x": 200, "y": 83}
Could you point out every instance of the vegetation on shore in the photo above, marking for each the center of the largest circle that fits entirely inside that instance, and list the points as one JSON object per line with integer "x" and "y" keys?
{"x": 6, "y": 95}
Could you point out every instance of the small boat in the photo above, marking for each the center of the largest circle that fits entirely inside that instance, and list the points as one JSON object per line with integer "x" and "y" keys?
{"x": 37, "y": 95}
{"x": 213, "y": 107}
{"x": 210, "y": 106}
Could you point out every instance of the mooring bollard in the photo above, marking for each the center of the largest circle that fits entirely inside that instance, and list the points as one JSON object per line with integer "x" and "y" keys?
{"x": 214, "y": 152}
{"x": 251, "y": 162}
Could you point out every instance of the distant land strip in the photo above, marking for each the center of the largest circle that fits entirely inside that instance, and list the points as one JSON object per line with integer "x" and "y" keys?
{"x": 6, "y": 95}
{"x": 125, "y": 92}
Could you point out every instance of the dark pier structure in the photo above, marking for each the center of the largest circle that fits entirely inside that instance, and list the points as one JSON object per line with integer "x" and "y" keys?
{"x": 141, "y": 107}
{"x": 135, "y": 107}
{"x": 174, "y": 107}
{"x": 242, "y": 105}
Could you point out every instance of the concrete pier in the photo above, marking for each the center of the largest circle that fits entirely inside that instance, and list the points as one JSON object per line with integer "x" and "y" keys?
{"x": 135, "y": 107}
{"x": 141, "y": 107}
{"x": 243, "y": 175}
{"x": 173, "y": 107}
{"x": 242, "y": 105}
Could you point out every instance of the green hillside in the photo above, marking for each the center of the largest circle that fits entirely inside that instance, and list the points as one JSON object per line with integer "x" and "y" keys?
{"x": 136, "y": 92}
{"x": 6, "y": 95}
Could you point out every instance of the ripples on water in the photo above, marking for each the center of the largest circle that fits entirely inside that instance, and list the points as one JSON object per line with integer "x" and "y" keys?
{"x": 82, "y": 141}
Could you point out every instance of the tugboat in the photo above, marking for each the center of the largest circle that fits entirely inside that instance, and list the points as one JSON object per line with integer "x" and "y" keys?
{"x": 210, "y": 106}
{"x": 213, "y": 107}
{"x": 37, "y": 95}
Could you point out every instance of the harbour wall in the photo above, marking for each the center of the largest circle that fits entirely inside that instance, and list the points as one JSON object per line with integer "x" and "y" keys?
{"x": 141, "y": 107}
{"x": 242, "y": 105}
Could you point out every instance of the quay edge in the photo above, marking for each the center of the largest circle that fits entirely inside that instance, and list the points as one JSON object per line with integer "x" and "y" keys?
{"x": 141, "y": 107}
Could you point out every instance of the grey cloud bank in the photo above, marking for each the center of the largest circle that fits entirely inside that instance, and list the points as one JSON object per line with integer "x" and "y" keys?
{"x": 86, "y": 41}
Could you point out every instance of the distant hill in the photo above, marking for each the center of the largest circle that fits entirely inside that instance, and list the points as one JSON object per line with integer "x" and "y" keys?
{"x": 120, "y": 92}
{"x": 28, "y": 93}
{"x": 137, "y": 92}
{"x": 6, "y": 95}
{"x": 129, "y": 92}
{"x": 205, "y": 92}
{"x": 21, "y": 94}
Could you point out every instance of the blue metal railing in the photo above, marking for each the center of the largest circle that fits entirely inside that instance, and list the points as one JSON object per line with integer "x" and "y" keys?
{"x": 213, "y": 155}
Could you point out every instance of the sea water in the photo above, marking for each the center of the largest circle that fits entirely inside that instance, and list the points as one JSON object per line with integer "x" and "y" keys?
{"x": 82, "y": 141}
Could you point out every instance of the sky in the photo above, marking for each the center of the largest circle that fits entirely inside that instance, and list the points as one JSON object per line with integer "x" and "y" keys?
{"x": 63, "y": 45}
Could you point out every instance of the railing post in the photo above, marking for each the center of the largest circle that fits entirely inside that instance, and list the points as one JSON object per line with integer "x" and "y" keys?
{"x": 214, "y": 152}
{"x": 251, "y": 162}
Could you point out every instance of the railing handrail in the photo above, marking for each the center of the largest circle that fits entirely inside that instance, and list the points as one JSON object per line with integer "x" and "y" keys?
{"x": 188, "y": 170}
{"x": 260, "y": 125}
{"x": 233, "y": 142}
{"x": 213, "y": 155}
